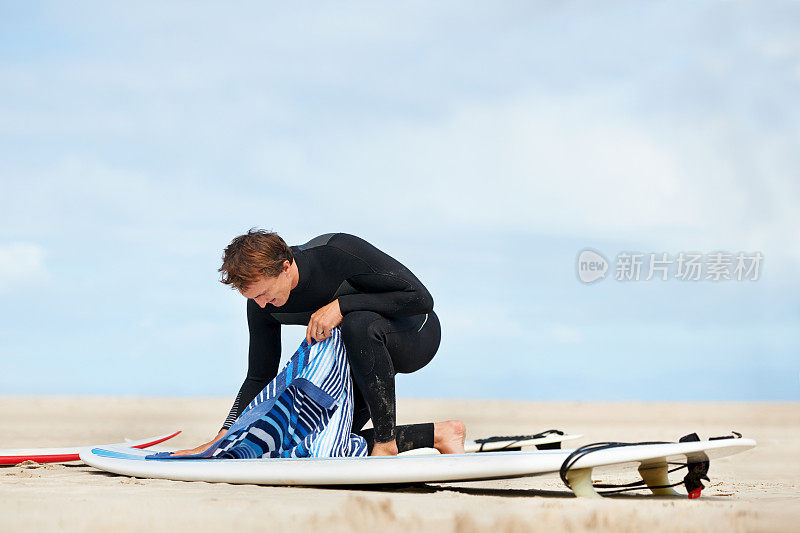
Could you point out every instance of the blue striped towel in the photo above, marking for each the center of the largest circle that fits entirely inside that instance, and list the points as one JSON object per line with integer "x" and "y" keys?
{"x": 306, "y": 411}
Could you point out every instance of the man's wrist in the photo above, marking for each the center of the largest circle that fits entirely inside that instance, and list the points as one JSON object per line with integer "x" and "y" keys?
{"x": 343, "y": 309}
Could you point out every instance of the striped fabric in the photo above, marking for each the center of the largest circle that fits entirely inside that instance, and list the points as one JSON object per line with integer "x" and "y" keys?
{"x": 306, "y": 411}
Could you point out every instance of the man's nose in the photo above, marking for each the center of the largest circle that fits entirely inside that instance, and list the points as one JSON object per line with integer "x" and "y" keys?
{"x": 262, "y": 302}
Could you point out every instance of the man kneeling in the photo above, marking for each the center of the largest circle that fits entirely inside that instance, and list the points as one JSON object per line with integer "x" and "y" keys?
{"x": 384, "y": 312}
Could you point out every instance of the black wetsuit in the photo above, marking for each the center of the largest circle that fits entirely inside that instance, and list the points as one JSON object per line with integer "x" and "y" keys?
{"x": 388, "y": 327}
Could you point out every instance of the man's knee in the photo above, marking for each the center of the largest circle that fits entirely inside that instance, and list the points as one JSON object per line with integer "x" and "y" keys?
{"x": 357, "y": 325}
{"x": 357, "y": 329}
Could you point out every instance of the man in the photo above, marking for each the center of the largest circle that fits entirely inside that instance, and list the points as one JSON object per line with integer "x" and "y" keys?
{"x": 385, "y": 313}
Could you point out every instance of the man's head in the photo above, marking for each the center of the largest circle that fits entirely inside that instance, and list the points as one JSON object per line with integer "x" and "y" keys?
{"x": 260, "y": 265}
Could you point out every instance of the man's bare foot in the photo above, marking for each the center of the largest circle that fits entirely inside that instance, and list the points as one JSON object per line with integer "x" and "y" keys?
{"x": 384, "y": 448}
{"x": 448, "y": 437}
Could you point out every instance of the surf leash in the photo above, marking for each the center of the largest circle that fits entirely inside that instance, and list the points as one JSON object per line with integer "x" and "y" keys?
{"x": 515, "y": 440}
{"x": 693, "y": 481}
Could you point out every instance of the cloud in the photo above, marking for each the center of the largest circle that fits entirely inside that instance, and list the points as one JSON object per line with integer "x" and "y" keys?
{"x": 571, "y": 166}
{"x": 137, "y": 140}
{"x": 467, "y": 125}
{"x": 22, "y": 264}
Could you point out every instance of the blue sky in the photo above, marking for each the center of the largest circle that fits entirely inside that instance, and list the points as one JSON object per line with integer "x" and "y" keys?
{"x": 483, "y": 145}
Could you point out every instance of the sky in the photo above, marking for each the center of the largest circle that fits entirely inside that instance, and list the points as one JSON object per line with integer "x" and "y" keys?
{"x": 484, "y": 145}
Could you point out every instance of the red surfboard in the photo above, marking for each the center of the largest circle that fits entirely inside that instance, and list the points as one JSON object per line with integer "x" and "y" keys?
{"x": 63, "y": 455}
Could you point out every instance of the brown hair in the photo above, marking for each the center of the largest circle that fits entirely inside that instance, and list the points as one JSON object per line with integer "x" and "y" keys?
{"x": 257, "y": 253}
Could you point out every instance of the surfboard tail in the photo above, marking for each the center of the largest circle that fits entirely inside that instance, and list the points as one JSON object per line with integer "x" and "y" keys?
{"x": 576, "y": 470}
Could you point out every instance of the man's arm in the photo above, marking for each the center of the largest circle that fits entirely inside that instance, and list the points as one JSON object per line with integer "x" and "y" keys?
{"x": 388, "y": 287}
{"x": 264, "y": 356}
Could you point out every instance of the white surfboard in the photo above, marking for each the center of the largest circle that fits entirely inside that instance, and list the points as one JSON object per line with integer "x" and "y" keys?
{"x": 69, "y": 454}
{"x": 652, "y": 460}
{"x": 546, "y": 440}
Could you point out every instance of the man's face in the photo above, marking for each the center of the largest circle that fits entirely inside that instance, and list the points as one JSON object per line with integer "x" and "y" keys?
{"x": 273, "y": 291}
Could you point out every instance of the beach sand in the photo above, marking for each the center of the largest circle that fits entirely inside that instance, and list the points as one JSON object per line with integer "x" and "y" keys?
{"x": 757, "y": 490}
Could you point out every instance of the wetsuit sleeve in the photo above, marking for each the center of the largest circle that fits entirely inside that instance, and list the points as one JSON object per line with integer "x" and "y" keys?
{"x": 264, "y": 356}
{"x": 387, "y": 287}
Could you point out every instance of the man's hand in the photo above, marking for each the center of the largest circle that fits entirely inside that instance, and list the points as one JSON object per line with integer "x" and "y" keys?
{"x": 323, "y": 321}
{"x": 202, "y": 447}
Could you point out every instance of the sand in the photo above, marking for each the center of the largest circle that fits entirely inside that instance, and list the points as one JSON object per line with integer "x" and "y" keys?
{"x": 755, "y": 491}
